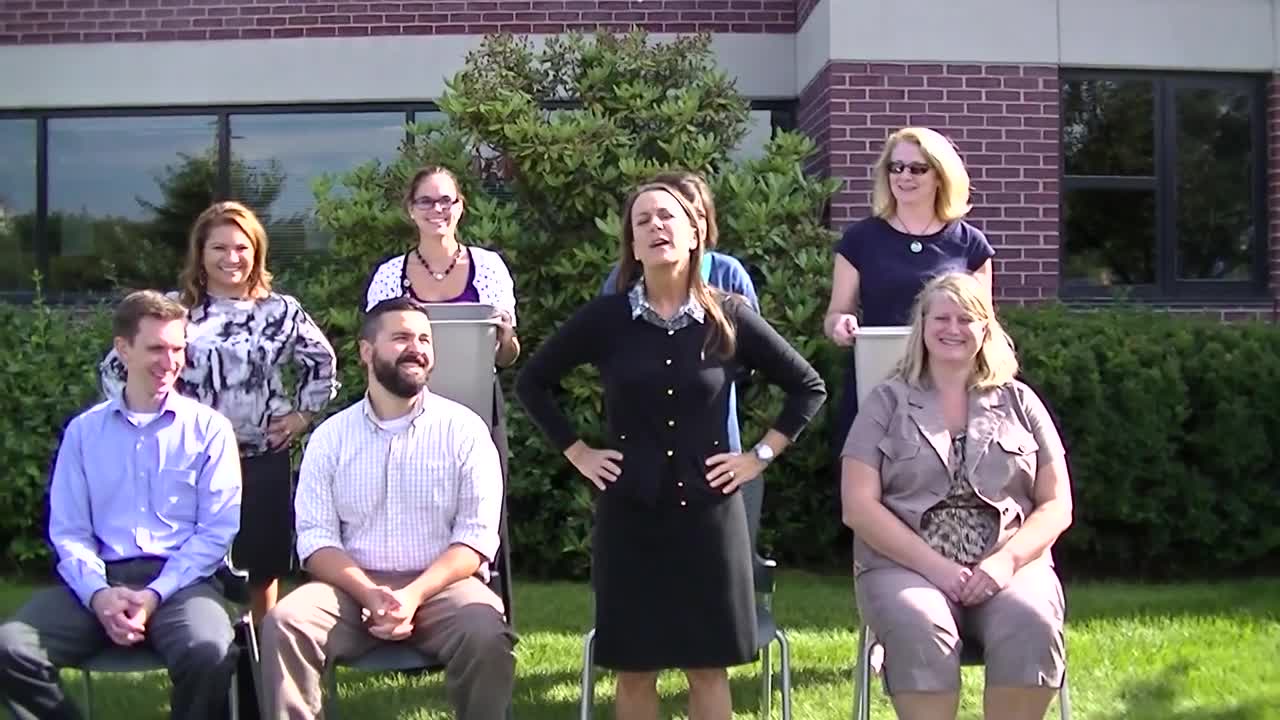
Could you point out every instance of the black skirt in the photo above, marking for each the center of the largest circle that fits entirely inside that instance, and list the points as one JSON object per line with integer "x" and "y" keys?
{"x": 264, "y": 545}
{"x": 673, "y": 585}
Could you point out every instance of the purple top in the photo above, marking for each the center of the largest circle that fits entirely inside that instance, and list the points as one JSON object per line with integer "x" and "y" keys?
{"x": 891, "y": 274}
{"x": 469, "y": 293}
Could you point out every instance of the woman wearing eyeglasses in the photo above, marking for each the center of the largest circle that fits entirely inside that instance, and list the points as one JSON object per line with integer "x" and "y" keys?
{"x": 916, "y": 232}
{"x": 439, "y": 268}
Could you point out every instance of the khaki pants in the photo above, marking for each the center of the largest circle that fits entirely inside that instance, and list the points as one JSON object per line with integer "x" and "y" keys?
{"x": 318, "y": 624}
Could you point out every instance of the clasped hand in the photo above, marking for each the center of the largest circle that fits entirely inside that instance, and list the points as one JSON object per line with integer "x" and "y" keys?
{"x": 124, "y": 613}
{"x": 974, "y": 586}
{"x": 391, "y": 612}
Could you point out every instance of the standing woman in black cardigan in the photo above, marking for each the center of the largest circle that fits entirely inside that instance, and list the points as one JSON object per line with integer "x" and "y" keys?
{"x": 671, "y": 557}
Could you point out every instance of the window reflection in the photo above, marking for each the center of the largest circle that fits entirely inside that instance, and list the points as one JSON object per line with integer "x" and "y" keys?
{"x": 123, "y": 193}
{"x": 1108, "y": 127}
{"x": 1110, "y": 237}
{"x": 17, "y": 203}
{"x": 275, "y": 159}
{"x": 1215, "y": 173}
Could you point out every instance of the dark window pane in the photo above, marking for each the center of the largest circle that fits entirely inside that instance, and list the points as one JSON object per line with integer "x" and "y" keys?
{"x": 275, "y": 158}
{"x": 17, "y": 203}
{"x": 1110, "y": 237}
{"x": 1108, "y": 127}
{"x": 123, "y": 193}
{"x": 1215, "y": 165}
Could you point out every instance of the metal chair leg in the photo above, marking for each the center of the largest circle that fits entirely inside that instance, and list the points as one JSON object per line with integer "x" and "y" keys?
{"x": 1064, "y": 700}
{"x": 588, "y": 675}
{"x": 766, "y": 681}
{"x": 88, "y": 694}
{"x": 329, "y": 698}
{"x": 862, "y": 678}
{"x": 784, "y": 653}
{"x": 233, "y": 697}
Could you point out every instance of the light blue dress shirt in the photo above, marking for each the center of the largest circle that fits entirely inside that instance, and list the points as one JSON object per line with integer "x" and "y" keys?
{"x": 168, "y": 489}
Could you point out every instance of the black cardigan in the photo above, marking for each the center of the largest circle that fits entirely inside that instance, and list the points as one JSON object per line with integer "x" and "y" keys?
{"x": 667, "y": 401}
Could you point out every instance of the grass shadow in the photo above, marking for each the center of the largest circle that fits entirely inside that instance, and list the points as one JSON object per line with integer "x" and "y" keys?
{"x": 1160, "y": 698}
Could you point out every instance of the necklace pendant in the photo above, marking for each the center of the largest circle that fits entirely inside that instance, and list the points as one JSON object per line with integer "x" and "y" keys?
{"x": 438, "y": 276}
{"x": 916, "y": 246}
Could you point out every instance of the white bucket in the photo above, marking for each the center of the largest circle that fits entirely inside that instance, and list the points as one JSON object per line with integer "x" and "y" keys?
{"x": 875, "y": 353}
{"x": 464, "y": 350}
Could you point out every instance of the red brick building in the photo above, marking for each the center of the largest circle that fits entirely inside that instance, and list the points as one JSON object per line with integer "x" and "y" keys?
{"x": 1118, "y": 147}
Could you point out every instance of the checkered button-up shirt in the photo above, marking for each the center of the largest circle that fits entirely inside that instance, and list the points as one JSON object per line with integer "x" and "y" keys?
{"x": 395, "y": 501}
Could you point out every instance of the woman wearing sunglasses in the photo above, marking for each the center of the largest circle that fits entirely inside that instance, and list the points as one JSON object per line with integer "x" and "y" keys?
{"x": 916, "y": 232}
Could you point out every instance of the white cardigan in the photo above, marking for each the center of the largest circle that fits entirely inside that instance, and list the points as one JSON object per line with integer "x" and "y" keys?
{"x": 492, "y": 281}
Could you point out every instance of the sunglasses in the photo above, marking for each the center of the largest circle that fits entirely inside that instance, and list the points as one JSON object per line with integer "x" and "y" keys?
{"x": 896, "y": 167}
{"x": 426, "y": 202}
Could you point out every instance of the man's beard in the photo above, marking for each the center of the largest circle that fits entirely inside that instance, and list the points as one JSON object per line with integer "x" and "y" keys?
{"x": 388, "y": 374}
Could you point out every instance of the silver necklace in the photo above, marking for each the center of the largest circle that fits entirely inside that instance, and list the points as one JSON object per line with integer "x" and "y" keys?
{"x": 916, "y": 246}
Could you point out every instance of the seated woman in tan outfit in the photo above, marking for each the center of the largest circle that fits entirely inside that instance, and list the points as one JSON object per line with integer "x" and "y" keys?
{"x": 955, "y": 485}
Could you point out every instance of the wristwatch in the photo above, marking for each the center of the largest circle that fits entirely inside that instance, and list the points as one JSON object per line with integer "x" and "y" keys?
{"x": 763, "y": 453}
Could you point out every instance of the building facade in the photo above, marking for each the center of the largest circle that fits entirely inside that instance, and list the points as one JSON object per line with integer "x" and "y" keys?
{"x": 1119, "y": 148}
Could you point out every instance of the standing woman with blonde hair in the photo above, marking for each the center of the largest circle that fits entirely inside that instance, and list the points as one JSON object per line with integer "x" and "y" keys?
{"x": 241, "y": 338}
{"x": 670, "y": 552}
{"x": 916, "y": 232}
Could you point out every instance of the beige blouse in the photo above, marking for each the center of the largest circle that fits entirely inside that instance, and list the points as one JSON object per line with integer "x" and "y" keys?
{"x": 899, "y": 430}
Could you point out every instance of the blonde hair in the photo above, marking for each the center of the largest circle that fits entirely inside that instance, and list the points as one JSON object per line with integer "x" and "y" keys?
{"x": 721, "y": 339}
{"x": 193, "y": 280}
{"x": 996, "y": 363}
{"x": 951, "y": 202}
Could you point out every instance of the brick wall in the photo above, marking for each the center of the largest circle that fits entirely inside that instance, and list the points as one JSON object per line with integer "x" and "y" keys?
{"x": 1273, "y": 184}
{"x": 803, "y": 8}
{"x": 73, "y": 21}
{"x": 1004, "y": 118}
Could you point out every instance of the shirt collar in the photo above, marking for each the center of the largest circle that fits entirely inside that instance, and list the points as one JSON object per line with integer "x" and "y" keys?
{"x": 640, "y": 303}
{"x": 167, "y": 405}
{"x": 418, "y": 411}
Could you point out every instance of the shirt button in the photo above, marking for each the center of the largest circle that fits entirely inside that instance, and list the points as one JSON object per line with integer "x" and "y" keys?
{"x": 671, "y": 391}
{"x": 679, "y": 484}
{"x": 670, "y": 453}
{"x": 668, "y": 361}
{"x": 622, "y": 437}
{"x": 671, "y": 332}
{"x": 671, "y": 423}
{"x": 683, "y": 503}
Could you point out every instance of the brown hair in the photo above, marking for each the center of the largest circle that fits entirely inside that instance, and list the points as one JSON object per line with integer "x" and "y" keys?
{"x": 194, "y": 281}
{"x": 695, "y": 189}
{"x": 425, "y": 172}
{"x": 721, "y": 337}
{"x": 143, "y": 304}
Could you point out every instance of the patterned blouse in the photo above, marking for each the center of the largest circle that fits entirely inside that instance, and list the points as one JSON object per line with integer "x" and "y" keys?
{"x": 489, "y": 278}
{"x": 237, "y": 351}
{"x": 690, "y": 312}
{"x": 962, "y": 527}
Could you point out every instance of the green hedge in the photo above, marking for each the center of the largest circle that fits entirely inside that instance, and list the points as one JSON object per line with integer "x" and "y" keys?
{"x": 1169, "y": 421}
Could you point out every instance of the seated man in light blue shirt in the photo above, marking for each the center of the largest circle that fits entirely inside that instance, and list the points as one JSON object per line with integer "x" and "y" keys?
{"x": 144, "y": 504}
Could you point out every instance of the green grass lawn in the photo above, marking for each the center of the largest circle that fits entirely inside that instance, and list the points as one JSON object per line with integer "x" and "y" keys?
{"x": 1136, "y": 652}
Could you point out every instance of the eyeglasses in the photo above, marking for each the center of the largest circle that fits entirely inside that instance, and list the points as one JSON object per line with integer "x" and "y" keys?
{"x": 426, "y": 202}
{"x": 896, "y": 167}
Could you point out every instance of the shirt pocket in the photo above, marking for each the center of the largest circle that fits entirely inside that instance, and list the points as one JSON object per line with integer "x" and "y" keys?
{"x": 174, "y": 496}
{"x": 900, "y": 471}
{"x": 435, "y": 494}
{"x": 1017, "y": 459}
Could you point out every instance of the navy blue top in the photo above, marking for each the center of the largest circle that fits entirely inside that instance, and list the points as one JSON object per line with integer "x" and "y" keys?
{"x": 726, "y": 273}
{"x": 891, "y": 275}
